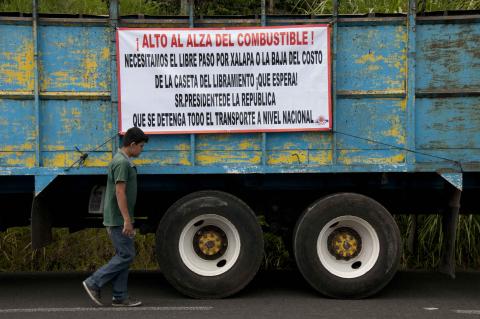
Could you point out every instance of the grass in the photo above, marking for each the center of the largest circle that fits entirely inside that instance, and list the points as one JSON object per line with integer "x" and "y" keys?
{"x": 89, "y": 249}
{"x": 441, "y": 5}
{"x": 378, "y": 6}
{"x": 427, "y": 252}
{"x": 96, "y": 7}
{"x": 232, "y": 7}
{"x": 93, "y": 7}
{"x": 81, "y": 251}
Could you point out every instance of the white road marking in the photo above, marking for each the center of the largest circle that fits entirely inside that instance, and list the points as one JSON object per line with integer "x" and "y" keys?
{"x": 104, "y": 309}
{"x": 468, "y": 312}
{"x": 430, "y": 308}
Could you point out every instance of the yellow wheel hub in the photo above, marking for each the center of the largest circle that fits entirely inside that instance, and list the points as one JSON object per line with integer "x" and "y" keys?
{"x": 344, "y": 243}
{"x": 210, "y": 242}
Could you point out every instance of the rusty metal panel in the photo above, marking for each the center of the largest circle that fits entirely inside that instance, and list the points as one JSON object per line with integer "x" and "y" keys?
{"x": 227, "y": 149}
{"x": 381, "y": 120}
{"x": 17, "y": 159}
{"x": 299, "y": 148}
{"x": 228, "y": 142}
{"x": 372, "y": 128}
{"x": 166, "y": 150}
{"x": 469, "y": 158}
{"x": 385, "y": 157}
{"x": 371, "y": 58}
{"x": 17, "y": 125}
{"x": 240, "y": 158}
{"x": 448, "y": 56}
{"x": 74, "y": 58}
{"x": 164, "y": 158}
{"x": 67, "y": 124}
{"x": 448, "y": 82}
{"x": 448, "y": 123}
{"x": 17, "y": 147}
{"x": 16, "y": 58}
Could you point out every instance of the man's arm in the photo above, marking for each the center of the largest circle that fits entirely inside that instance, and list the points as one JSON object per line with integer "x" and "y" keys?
{"x": 121, "y": 193}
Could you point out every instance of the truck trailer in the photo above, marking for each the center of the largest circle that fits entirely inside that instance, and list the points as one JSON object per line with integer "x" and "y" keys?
{"x": 402, "y": 138}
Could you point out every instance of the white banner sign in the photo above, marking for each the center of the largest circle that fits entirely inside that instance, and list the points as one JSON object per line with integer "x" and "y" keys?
{"x": 224, "y": 80}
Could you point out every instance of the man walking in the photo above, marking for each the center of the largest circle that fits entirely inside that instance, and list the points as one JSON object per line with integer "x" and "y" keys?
{"x": 120, "y": 197}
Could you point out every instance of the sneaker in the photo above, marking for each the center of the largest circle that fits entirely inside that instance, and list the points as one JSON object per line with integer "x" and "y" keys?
{"x": 126, "y": 303}
{"x": 94, "y": 294}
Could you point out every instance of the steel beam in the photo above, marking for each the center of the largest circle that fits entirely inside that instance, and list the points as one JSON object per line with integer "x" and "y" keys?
{"x": 113, "y": 22}
{"x": 333, "y": 74}
{"x": 191, "y": 24}
{"x": 263, "y": 22}
{"x": 36, "y": 89}
{"x": 411, "y": 66}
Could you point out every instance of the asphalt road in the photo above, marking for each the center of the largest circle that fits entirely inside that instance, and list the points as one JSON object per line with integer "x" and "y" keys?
{"x": 271, "y": 295}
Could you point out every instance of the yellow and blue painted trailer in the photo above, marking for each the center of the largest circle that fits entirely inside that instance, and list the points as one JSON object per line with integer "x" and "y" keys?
{"x": 405, "y": 140}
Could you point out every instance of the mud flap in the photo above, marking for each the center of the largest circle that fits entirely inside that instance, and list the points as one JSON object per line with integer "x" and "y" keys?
{"x": 41, "y": 223}
{"x": 449, "y": 225}
{"x": 41, "y": 218}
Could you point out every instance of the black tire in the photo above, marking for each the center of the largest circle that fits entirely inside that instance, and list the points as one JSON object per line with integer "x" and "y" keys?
{"x": 242, "y": 269}
{"x": 322, "y": 213}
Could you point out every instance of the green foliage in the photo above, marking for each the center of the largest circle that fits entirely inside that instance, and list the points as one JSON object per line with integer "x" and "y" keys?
{"x": 89, "y": 249}
{"x": 369, "y": 6}
{"x": 377, "y": 6}
{"x": 16, "y": 254}
{"x": 441, "y": 5}
{"x": 149, "y": 7}
{"x": 427, "y": 252}
{"x": 85, "y": 250}
{"x": 311, "y": 6}
{"x": 233, "y": 7}
{"x": 16, "y": 6}
{"x": 276, "y": 255}
{"x": 468, "y": 239}
{"x": 228, "y": 7}
{"x": 94, "y": 7}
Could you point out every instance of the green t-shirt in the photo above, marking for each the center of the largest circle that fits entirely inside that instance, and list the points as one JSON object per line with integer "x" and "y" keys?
{"x": 121, "y": 169}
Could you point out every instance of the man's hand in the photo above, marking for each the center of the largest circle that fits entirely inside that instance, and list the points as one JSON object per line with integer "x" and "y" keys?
{"x": 128, "y": 229}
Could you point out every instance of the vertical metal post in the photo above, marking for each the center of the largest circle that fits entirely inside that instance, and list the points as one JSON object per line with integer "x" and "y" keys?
{"x": 36, "y": 90}
{"x": 263, "y": 21}
{"x": 113, "y": 22}
{"x": 192, "y": 136}
{"x": 191, "y": 9}
{"x": 334, "y": 78}
{"x": 411, "y": 65}
{"x": 449, "y": 227}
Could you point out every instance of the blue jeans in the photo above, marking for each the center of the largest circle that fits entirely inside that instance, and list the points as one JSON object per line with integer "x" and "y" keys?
{"x": 116, "y": 270}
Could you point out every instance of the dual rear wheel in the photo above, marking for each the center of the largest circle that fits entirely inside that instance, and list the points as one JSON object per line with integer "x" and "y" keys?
{"x": 347, "y": 246}
{"x": 210, "y": 245}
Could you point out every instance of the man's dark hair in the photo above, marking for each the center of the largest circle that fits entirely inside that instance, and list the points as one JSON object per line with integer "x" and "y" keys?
{"x": 134, "y": 135}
